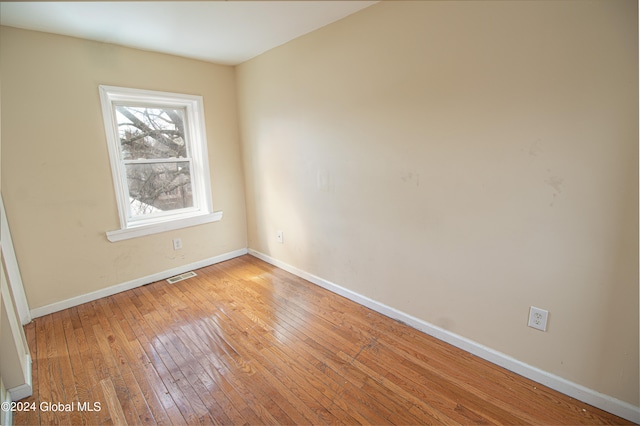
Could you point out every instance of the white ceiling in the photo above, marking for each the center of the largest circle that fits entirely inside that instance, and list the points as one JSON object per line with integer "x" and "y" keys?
{"x": 225, "y": 32}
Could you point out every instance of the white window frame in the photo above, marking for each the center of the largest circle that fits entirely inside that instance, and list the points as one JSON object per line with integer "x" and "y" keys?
{"x": 202, "y": 210}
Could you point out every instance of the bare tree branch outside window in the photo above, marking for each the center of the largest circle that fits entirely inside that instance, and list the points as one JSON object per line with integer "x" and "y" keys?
{"x": 158, "y": 167}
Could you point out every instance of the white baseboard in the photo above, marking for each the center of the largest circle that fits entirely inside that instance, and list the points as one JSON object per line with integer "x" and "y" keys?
{"x": 98, "y": 294}
{"x": 19, "y": 392}
{"x": 574, "y": 390}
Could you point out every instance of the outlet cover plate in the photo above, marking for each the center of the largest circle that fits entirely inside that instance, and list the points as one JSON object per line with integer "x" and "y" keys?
{"x": 538, "y": 318}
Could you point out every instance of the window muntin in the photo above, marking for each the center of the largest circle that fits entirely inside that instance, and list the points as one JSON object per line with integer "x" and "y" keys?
{"x": 158, "y": 155}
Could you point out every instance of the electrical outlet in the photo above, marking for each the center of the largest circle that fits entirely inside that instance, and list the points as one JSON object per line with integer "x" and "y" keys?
{"x": 280, "y": 237}
{"x": 538, "y": 318}
{"x": 177, "y": 243}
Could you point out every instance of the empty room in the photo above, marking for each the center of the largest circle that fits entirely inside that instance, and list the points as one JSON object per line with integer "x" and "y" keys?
{"x": 314, "y": 212}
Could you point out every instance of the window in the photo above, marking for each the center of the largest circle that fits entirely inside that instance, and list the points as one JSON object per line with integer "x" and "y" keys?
{"x": 158, "y": 150}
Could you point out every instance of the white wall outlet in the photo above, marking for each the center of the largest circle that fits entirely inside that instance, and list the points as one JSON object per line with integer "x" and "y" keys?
{"x": 177, "y": 243}
{"x": 538, "y": 318}
{"x": 280, "y": 237}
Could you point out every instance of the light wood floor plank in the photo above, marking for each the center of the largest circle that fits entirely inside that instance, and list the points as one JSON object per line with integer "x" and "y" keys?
{"x": 88, "y": 359}
{"x": 121, "y": 350}
{"x": 276, "y": 392}
{"x": 84, "y": 393}
{"x": 295, "y": 326}
{"x": 160, "y": 403}
{"x": 69, "y": 381}
{"x": 244, "y": 342}
{"x": 114, "y": 405}
{"x": 173, "y": 378}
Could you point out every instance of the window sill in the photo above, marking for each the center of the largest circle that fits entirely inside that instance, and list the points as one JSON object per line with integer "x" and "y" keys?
{"x": 142, "y": 230}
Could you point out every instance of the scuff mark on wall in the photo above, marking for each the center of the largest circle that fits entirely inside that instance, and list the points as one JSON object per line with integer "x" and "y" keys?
{"x": 411, "y": 178}
{"x": 535, "y": 149}
{"x": 555, "y": 182}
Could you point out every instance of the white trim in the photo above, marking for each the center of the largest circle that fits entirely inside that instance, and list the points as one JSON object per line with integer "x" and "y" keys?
{"x": 19, "y": 392}
{"x": 26, "y": 389}
{"x": 195, "y": 138}
{"x": 139, "y": 231}
{"x": 98, "y": 294}
{"x": 590, "y": 396}
{"x": 6, "y": 416}
{"x": 12, "y": 268}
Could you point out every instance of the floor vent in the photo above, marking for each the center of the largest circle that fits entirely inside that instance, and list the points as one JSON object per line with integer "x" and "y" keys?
{"x": 181, "y": 277}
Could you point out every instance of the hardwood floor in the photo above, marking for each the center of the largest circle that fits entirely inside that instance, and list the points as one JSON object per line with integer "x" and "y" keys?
{"x": 246, "y": 343}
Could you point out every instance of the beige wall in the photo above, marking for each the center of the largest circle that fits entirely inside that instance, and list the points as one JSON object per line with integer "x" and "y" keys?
{"x": 461, "y": 161}
{"x": 56, "y": 177}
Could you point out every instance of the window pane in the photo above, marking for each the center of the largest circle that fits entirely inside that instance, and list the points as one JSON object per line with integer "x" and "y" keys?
{"x": 151, "y": 133}
{"x": 159, "y": 187}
